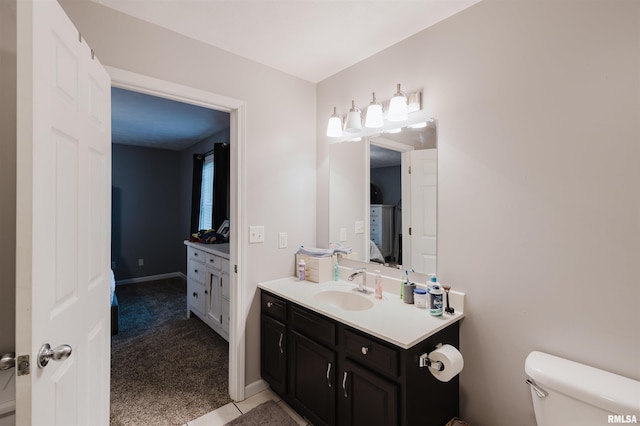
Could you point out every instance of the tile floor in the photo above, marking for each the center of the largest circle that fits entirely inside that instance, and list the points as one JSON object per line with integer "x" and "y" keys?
{"x": 232, "y": 410}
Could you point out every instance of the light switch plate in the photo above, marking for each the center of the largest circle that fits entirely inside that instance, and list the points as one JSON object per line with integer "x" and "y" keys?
{"x": 282, "y": 240}
{"x": 256, "y": 234}
{"x": 359, "y": 226}
{"x": 343, "y": 234}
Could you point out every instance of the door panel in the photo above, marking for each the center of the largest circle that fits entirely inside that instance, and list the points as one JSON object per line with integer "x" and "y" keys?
{"x": 424, "y": 196}
{"x": 63, "y": 202}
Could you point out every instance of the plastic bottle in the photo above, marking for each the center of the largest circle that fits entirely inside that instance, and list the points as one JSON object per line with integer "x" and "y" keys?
{"x": 435, "y": 299}
{"x": 302, "y": 270}
{"x": 378, "y": 285}
{"x": 336, "y": 272}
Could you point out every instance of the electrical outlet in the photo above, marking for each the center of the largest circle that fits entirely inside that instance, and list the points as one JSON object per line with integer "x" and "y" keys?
{"x": 256, "y": 234}
{"x": 359, "y": 226}
{"x": 343, "y": 234}
{"x": 140, "y": 262}
{"x": 282, "y": 240}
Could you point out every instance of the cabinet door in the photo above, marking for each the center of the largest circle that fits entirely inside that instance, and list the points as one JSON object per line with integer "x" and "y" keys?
{"x": 214, "y": 299}
{"x": 273, "y": 344}
{"x": 312, "y": 381}
{"x": 366, "y": 398}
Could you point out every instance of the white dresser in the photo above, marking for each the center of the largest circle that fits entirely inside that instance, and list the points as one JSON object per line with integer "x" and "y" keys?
{"x": 381, "y": 227}
{"x": 208, "y": 284}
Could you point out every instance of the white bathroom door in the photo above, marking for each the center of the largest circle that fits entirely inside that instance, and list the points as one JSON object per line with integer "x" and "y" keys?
{"x": 63, "y": 203}
{"x": 424, "y": 208}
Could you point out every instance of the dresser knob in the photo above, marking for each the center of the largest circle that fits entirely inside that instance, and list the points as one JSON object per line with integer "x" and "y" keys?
{"x": 269, "y": 304}
{"x": 365, "y": 350}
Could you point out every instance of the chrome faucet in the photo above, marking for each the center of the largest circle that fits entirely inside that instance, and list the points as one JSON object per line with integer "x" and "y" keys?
{"x": 362, "y": 286}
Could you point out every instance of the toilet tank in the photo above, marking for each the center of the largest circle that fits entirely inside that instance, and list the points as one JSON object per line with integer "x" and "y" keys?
{"x": 579, "y": 394}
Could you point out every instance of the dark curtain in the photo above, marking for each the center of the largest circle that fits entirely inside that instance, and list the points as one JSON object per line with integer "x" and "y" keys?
{"x": 221, "y": 160}
{"x": 196, "y": 187}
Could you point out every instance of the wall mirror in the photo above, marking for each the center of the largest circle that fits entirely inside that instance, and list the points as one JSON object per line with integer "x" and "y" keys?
{"x": 383, "y": 198}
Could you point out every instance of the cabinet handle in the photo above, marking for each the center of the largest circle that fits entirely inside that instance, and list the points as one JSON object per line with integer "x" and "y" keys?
{"x": 280, "y": 343}
{"x": 344, "y": 384}
{"x": 195, "y": 294}
{"x": 195, "y": 270}
{"x": 328, "y": 374}
{"x": 269, "y": 304}
{"x": 206, "y": 292}
{"x": 365, "y": 350}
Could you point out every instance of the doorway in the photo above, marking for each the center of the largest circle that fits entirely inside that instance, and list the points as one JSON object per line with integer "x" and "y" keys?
{"x": 160, "y": 88}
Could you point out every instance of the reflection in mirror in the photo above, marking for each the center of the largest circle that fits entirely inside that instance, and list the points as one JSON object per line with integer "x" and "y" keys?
{"x": 385, "y": 214}
{"x": 403, "y": 178}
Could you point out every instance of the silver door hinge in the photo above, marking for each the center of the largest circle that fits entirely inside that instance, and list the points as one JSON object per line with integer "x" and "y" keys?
{"x": 409, "y": 169}
{"x": 24, "y": 366}
{"x": 409, "y": 231}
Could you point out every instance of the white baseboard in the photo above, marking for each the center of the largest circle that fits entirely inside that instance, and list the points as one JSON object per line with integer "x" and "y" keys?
{"x": 255, "y": 388}
{"x": 152, "y": 278}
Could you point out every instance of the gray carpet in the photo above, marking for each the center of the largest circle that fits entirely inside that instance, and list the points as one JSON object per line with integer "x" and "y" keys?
{"x": 266, "y": 414}
{"x": 165, "y": 369}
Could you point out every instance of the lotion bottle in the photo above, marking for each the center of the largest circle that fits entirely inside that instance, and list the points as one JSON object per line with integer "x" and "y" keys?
{"x": 378, "y": 285}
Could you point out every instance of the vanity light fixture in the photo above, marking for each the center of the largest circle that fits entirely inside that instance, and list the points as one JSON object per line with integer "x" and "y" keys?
{"x": 398, "y": 106}
{"x": 354, "y": 119}
{"x": 374, "y": 118}
{"x": 334, "y": 128}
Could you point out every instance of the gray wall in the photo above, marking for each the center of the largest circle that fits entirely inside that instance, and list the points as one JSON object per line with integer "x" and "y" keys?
{"x": 389, "y": 182}
{"x": 538, "y": 106}
{"x": 7, "y": 174}
{"x": 146, "y": 212}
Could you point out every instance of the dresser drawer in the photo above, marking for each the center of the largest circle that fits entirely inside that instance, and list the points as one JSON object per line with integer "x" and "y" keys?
{"x": 213, "y": 261}
{"x": 196, "y": 271}
{"x": 196, "y": 297}
{"x": 195, "y": 254}
{"x": 314, "y": 326}
{"x": 273, "y": 306}
{"x": 371, "y": 353}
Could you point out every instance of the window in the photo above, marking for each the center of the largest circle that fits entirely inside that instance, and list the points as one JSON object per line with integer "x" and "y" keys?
{"x": 206, "y": 194}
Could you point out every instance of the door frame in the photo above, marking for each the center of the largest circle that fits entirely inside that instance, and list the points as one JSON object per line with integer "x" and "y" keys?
{"x": 165, "y": 89}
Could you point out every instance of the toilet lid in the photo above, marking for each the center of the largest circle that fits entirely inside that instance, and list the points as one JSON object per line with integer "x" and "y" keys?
{"x": 7, "y": 391}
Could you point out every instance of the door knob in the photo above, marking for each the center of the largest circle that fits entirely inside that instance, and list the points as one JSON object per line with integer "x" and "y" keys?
{"x": 8, "y": 361}
{"x": 59, "y": 353}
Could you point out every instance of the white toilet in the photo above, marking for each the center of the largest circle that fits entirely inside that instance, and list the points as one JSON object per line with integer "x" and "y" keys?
{"x": 568, "y": 393}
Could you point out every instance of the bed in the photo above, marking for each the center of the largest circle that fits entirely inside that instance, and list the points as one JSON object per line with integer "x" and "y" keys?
{"x": 114, "y": 306}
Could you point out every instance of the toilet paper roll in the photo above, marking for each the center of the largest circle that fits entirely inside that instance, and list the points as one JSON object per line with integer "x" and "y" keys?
{"x": 450, "y": 358}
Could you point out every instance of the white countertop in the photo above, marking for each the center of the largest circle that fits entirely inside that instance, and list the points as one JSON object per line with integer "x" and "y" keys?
{"x": 389, "y": 319}
{"x": 221, "y": 250}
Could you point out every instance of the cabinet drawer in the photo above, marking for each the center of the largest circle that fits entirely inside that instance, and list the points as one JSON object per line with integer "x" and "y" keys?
{"x": 195, "y": 254}
{"x": 318, "y": 328}
{"x": 196, "y": 297}
{"x": 370, "y": 353}
{"x": 196, "y": 271}
{"x": 273, "y": 306}
{"x": 213, "y": 261}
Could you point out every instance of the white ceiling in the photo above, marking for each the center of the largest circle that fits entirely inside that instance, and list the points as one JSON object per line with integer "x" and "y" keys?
{"x": 310, "y": 39}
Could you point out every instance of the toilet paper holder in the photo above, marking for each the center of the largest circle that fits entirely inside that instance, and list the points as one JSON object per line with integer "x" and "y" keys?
{"x": 424, "y": 361}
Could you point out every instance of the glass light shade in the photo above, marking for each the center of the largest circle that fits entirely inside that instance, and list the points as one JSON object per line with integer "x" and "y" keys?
{"x": 354, "y": 120}
{"x": 374, "y": 118}
{"x": 334, "y": 128}
{"x": 398, "y": 107}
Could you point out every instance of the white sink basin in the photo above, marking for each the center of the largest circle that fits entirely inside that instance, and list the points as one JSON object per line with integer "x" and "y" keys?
{"x": 347, "y": 301}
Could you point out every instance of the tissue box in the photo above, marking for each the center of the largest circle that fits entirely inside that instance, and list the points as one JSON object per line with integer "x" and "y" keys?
{"x": 318, "y": 269}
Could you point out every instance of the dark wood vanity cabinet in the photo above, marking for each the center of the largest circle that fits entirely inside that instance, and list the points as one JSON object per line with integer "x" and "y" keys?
{"x": 333, "y": 374}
